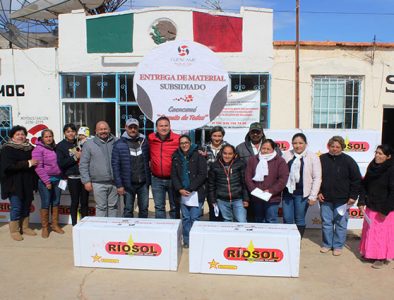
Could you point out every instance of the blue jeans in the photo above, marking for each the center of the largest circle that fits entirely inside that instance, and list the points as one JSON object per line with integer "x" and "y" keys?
{"x": 232, "y": 210}
{"x": 49, "y": 197}
{"x": 265, "y": 212}
{"x": 20, "y": 208}
{"x": 294, "y": 209}
{"x": 141, "y": 191}
{"x": 189, "y": 215}
{"x": 160, "y": 187}
{"x": 334, "y": 226}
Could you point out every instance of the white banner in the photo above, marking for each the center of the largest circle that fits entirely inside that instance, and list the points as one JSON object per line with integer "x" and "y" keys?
{"x": 184, "y": 81}
{"x": 242, "y": 109}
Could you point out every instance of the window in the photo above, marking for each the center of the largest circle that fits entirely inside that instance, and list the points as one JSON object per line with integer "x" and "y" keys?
{"x": 5, "y": 122}
{"x": 336, "y": 102}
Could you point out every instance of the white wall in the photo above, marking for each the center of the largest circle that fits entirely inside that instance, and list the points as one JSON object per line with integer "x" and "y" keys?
{"x": 73, "y": 57}
{"x": 36, "y": 69}
{"x": 352, "y": 61}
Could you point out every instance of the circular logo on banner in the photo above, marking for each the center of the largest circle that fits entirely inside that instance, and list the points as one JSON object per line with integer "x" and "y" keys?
{"x": 184, "y": 81}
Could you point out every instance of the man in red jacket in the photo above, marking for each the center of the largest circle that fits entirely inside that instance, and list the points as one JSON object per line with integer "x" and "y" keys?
{"x": 163, "y": 143}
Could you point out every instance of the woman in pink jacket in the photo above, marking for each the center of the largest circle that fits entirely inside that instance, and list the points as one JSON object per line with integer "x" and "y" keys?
{"x": 268, "y": 172}
{"x": 48, "y": 185}
{"x": 303, "y": 184}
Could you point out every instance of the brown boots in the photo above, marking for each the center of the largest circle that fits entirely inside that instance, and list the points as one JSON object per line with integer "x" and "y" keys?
{"x": 45, "y": 223}
{"x": 55, "y": 221}
{"x": 25, "y": 227}
{"x": 15, "y": 231}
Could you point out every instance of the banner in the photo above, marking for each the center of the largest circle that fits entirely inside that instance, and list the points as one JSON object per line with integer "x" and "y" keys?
{"x": 242, "y": 109}
{"x": 184, "y": 81}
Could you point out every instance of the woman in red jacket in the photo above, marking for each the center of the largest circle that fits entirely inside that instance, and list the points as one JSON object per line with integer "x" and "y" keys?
{"x": 268, "y": 172}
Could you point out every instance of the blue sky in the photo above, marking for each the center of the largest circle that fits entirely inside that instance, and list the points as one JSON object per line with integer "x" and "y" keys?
{"x": 329, "y": 20}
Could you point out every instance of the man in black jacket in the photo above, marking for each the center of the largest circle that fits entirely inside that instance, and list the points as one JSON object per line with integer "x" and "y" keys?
{"x": 340, "y": 188}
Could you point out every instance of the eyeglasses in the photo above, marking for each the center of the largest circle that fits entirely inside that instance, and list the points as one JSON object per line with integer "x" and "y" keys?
{"x": 184, "y": 143}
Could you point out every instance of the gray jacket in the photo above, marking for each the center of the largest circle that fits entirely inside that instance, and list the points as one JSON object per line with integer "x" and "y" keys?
{"x": 245, "y": 150}
{"x": 95, "y": 164}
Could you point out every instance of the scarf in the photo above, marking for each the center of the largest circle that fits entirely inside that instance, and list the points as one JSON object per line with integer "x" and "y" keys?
{"x": 375, "y": 170}
{"x": 262, "y": 166}
{"x": 26, "y": 146}
{"x": 185, "y": 165}
{"x": 294, "y": 176}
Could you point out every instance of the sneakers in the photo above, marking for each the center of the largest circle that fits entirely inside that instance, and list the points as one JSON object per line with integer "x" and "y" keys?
{"x": 324, "y": 250}
{"x": 337, "y": 252}
{"x": 378, "y": 264}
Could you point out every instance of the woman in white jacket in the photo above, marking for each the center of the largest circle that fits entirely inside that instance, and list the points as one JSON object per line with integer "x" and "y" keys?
{"x": 303, "y": 184}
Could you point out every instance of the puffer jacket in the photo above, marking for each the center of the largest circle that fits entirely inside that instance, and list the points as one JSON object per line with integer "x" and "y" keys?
{"x": 227, "y": 185}
{"x": 197, "y": 172}
{"x": 161, "y": 153}
{"x": 47, "y": 162}
{"x": 121, "y": 161}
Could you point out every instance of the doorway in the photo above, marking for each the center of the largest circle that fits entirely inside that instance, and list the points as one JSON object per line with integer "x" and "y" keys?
{"x": 388, "y": 126}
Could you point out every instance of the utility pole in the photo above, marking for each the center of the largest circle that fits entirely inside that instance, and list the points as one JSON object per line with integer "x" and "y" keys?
{"x": 297, "y": 67}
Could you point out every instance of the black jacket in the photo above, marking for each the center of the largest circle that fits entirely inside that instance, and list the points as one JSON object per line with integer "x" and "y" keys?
{"x": 378, "y": 187}
{"x": 65, "y": 157}
{"x": 17, "y": 179}
{"x": 197, "y": 173}
{"x": 341, "y": 178}
{"x": 221, "y": 188}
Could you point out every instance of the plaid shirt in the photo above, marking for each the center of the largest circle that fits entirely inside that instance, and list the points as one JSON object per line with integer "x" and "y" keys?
{"x": 212, "y": 154}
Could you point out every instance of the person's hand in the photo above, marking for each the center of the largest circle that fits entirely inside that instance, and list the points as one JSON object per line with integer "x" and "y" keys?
{"x": 49, "y": 186}
{"x": 88, "y": 186}
{"x": 33, "y": 162}
{"x": 362, "y": 208}
{"x": 77, "y": 154}
{"x": 203, "y": 153}
{"x": 351, "y": 201}
{"x": 121, "y": 191}
{"x": 312, "y": 202}
{"x": 320, "y": 197}
{"x": 245, "y": 203}
{"x": 184, "y": 192}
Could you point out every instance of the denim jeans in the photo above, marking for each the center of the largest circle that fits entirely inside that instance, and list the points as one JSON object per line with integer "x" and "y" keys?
{"x": 233, "y": 210}
{"x": 49, "y": 197}
{"x": 141, "y": 191}
{"x": 265, "y": 212}
{"x": 78, "y": 195}
{"x": 334, "y": 226}
{"x": 19, "y": 208}
{"x": 189, "y": 215}
{"x": 160, "y": 187}
{"x": 294, "y": 209}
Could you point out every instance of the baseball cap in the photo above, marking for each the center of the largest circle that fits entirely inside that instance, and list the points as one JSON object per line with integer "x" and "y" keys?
{"x": 256, "y": 126}
{"x": 132, "y": 121}
{"x": 84, "y": 131}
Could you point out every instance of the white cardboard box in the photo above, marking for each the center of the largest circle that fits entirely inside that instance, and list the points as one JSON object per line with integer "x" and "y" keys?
{"x": 244, "y": 249}
{"x": 153, "y": 244}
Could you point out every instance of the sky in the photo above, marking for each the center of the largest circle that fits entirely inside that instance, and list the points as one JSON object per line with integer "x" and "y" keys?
{"x": 320, "y": 20}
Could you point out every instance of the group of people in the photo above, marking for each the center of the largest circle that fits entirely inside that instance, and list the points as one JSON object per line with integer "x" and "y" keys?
{"x": 246, "y": 183}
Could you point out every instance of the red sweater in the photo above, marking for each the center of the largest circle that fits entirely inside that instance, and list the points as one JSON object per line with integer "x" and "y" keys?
{"x": 275, "y": 182}
{"x": 161, "y": 153}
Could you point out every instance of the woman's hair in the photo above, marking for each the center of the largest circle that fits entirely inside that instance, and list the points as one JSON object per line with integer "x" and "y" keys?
{"x": 227, "y": 146}
{"x": 71, "y": 126}
{"x": 217, "y": 129}
{"x": 301, "y": 136}
{"x": 386, "y": 149}
{"x": 271, "y": 142}
{"x": 15, "y": 129}
{"x": 338, "y": 139}
{"x": 46, "y": 130}
{"x": 185, "y": 136}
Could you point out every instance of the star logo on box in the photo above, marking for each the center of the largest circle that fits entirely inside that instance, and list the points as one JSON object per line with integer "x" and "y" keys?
{"x": 100, "y": 259}
{"x": 133, "y": 249}
{"x": 252, "y": 254}
{"x": 213, "y": 264}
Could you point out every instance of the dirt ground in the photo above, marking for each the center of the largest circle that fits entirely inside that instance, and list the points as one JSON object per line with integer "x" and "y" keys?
{"x": 43, "y": 269}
